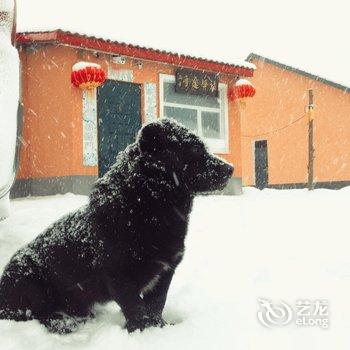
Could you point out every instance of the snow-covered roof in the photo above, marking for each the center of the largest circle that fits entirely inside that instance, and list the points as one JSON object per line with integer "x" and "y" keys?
{"x": 90, "y": 31}
{"x": 106, "y": 44}
{"x": 224, "y": 30}
{"x": 254, "y": 56}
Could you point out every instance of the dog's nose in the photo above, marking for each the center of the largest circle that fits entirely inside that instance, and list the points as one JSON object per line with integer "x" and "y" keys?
{"x": 230, "y": 170}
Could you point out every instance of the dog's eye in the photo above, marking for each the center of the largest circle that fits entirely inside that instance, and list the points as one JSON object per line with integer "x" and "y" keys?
{"x": 197, "y": 151}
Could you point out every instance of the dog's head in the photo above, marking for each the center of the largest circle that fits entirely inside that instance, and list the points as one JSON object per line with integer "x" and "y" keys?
{"x": 183, "y": 156}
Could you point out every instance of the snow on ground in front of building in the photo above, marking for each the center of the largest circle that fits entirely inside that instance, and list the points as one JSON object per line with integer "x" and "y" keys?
{"x": 281, "y": 245}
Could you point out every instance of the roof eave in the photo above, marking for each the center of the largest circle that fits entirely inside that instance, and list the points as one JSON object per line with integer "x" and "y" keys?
{"x": 81, "y": 41}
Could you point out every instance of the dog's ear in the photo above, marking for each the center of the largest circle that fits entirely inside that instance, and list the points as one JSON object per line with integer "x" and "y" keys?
{"x": 152, "y": 138}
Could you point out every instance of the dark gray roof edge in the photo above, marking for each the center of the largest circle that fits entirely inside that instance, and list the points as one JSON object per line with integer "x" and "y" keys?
{"x": 253, "y": 56}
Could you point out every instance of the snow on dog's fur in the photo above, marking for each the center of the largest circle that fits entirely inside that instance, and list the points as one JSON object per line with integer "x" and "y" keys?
{"x": 124, "y": 245}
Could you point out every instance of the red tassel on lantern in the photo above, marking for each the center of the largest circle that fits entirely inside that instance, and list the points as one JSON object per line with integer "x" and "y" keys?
{"x": 86, "y": 75}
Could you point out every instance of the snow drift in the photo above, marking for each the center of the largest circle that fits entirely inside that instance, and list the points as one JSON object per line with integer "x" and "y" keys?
{"x": 282, "y": 245}
{"x": 9, "y": 95}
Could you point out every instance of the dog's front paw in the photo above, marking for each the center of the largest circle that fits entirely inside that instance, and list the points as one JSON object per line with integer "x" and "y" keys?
{"x": 159, "y": 322}
{"x": 145, "y": 322}
{"x": 137, "y": 324}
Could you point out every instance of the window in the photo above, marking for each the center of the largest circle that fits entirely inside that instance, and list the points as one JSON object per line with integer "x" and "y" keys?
{"x": 204, "y": 115}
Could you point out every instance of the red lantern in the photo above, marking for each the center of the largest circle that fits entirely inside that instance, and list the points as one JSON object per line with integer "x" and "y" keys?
{"x": 242, "y": 90}
{"x": 87, "y": 75}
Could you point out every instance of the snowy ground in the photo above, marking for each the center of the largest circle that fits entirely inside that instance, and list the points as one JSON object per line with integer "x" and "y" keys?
{"x": 282, "y": 245}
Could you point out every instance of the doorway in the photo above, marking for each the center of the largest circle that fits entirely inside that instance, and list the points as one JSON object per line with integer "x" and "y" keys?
{"x": 119, "y": 120}
{"x": 261, "y": 164}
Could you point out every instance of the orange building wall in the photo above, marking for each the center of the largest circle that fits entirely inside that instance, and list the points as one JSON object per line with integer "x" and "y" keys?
{"x": 280, "y": 99}
{"x": 52, "y": 135}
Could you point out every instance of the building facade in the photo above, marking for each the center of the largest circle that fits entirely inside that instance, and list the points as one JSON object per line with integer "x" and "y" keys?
{"x": 71, "y": 136}
{"x": 275, "y": 129}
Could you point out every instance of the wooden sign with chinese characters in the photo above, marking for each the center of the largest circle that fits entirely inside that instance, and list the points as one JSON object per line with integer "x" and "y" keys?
{"x": 197, "y": 82}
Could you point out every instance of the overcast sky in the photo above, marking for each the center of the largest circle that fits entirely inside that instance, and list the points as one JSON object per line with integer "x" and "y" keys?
{"x": 310, "y": 35}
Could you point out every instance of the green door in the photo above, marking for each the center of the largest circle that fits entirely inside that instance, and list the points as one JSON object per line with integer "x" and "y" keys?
{"x": 119, "y": 119}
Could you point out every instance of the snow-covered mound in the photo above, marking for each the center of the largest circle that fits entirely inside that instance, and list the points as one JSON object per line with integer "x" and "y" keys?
{"x": 281, "y": 245}
{"x": 9, "y": 94}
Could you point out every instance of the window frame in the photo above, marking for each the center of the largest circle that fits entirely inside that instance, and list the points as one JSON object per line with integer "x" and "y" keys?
{"x": 215, "y": 145}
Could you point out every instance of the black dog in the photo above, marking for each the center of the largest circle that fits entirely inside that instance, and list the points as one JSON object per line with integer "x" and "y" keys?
{"x": 125, "y": 244}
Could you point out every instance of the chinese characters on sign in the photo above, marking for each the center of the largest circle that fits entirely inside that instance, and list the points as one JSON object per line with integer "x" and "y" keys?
{"x": 197, "y": 82}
